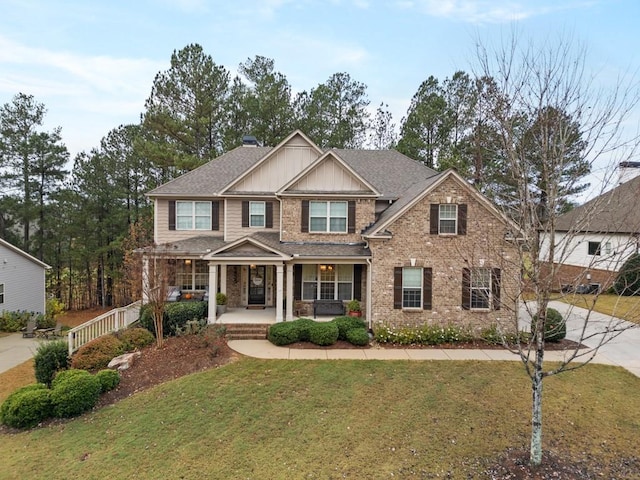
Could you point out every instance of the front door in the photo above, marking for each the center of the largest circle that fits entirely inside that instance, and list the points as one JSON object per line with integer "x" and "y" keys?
{"x": 257, "y": 284}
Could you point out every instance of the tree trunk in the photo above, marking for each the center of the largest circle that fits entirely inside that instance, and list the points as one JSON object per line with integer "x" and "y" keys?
{"x": 535, "y": 457}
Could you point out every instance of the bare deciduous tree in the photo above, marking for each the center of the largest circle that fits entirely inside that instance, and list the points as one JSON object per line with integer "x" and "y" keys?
{"x": 555, "y": 125}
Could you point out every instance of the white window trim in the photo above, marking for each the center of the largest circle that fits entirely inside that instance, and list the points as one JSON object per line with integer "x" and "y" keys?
{"x": 455, "y": 219}
{"x": 318, "y": 281}
{"x": 193, "y": 215}
{"x": 421, "y": 288}
{"x": 263, "y": 214}
{"x": 328, "y": 216}
{"x": 193, "y": 274}
{"x": 489, "y": 288}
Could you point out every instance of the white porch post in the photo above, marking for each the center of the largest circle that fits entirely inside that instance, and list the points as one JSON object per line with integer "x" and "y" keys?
{"x": 223, "y": 279}
{"x": 145, "y": 280}
{"x": 213, "y": 289}
{"x": 289, "y": 268}
{"x": 279, "y": 291}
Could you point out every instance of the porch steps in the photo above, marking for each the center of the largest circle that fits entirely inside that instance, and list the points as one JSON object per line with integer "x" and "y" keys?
{"x": 246, "y": 331}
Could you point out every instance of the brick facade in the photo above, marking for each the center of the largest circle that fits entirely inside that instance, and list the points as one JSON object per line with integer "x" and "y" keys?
{"x": 447, "y": 255}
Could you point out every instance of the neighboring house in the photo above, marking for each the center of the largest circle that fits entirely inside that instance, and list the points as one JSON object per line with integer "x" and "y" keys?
{"x": 281, "y": 227}
{"x": 22, "y": 280}
{"x": 593, "y": 240}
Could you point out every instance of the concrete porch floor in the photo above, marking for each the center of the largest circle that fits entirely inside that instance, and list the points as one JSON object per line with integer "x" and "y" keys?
{"x": 258, "y": 316}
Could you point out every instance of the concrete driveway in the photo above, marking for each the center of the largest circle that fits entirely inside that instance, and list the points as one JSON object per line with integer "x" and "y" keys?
{"x": 14, "y": 350}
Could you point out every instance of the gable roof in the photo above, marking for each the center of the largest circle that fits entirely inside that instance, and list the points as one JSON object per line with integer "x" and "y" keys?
{"x": 615, "y": 211}
{"x": 15, "y": 249}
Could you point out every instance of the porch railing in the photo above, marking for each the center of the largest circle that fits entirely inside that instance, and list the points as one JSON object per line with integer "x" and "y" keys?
{"x": 108, "y": 322}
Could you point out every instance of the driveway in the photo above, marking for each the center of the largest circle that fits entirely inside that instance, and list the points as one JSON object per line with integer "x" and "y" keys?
{"x": 14, "y": 350}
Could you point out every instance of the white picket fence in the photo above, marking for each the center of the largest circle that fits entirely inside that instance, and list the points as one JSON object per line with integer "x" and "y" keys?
{"x": 108, "y": 322}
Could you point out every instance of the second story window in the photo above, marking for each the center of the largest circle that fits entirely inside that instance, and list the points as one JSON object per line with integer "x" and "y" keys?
{"x": 193, "y": 215}
{"x": 594, "y": 248}
{"x": 328, "y": 217}
{"x": 257, "y": 214}
{"x": 448, "y": 219}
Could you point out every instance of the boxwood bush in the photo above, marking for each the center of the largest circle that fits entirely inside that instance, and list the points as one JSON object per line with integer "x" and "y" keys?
{"x": 304, "y": 325}
{"x": 176, "y": 315}
{"x": 358, "y": 336}
{"x": 50, "y": 357}
{"x": 135, "y": 338}
{"x": 284, "y": 333}
{"x": 555, "y": 329}
{"x": 347, "y": 323}
{"x": 66, "y": 374}
{"x": 109, "y": 379}
{"x": 97, "y": 354}
{"x": 75, "y": 394}
{"x": 27, "y": 406}
{"x": 323, "y": 333}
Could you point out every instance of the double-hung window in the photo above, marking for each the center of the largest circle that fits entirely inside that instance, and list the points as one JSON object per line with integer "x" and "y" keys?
{"x": 192, "y": 274}
{"x": 193, "y": 215}
{"x": 411, "y": 287}
{"x": 1, "y": 293}
{"x": 328, "y": 217}
{"x": 480, "y": 288}
{"x": 327, "y": 282}
{"x": 448, "y": 219}
{"x": 594, "y": 248}
{"x": 257, "y": 212}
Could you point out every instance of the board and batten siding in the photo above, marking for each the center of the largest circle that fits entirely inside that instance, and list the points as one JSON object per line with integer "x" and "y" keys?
{"x": 234, "y": 228}
{"x": 161, "y": 220}
{"x": 24, "y": 282}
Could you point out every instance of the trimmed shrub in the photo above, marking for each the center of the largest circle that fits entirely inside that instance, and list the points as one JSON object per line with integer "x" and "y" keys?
{"x": 76, "y": 394}
{"x": 50, "y": 357}
{"x": 97, "y": 354}
{"x": 14, "y": 321}
{"x": 323, "y": 333}
{"x": 135, "y": 338}
{"x": 66, "y": 374}
{"x": 27, "y": 406}
{"x": 555, "y": 329}
{"x": 176, "y": 315}
{"x": 303, "y": 325}
{"x": 109, "y": 379}
{"x": 347, "y": 323}
{"x": 284, "y": 333}
{"x": 628, "y": 280}
{"x": 358, "y": 336}
{"x": 423, "y": 335}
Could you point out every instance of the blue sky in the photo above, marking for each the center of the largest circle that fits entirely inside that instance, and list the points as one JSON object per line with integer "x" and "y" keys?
{"x": 92, "y": 63}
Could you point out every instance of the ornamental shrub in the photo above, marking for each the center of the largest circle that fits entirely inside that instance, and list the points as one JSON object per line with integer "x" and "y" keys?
{"x": 358, "y": 336}
{"x": 347, "y": 323}
{"x": 176, "y": 315}
{"x": 303, "y": 325}
{"x": 50, "y": 357}
{"x": 555, "y": 329}
{"x": 27, "y": 406}
{"x": 284, "y": 333}
{"x": 423, "y": 335}
{"x": 323, "y": 333}
{"x": 135, "y": 338}
{"x": 109, "y": 379}
{"x": 97, "y": 354}
{"x": 628, "y": 280}
{"x": 14, "y": 321}
{"x": 76, "y": 394}
{"x": 66, "y": 374}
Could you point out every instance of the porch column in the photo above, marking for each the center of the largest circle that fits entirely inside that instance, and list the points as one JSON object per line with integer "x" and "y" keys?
{"x": 223, "y": 279}
{"x": 279, "y": 291}
{"x": 213, "y": 288}
{"x": 145, "y": 280}
{"x": 289, "y": 292}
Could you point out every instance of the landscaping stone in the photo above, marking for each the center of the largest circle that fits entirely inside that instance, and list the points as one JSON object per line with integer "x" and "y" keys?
{"x": 124, "y": 361}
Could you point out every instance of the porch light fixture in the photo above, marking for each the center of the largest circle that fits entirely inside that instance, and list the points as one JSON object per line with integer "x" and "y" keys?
{"x": 323, "y": 267}
{"x": 187, "y": 261}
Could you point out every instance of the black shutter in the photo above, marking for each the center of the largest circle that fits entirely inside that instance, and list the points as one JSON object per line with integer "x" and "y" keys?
{"x": 357, "y": 282}
{"x": 397, "y": 288}
{"x": 462, "y": 219}
{"x": 304, "y": 220}
{"x": 427, "y": 294}
{"x": 434, "y": 218}
{"x": 268, "y": 215}
{"x": 245, "y": 213}
{"x": 351, "y": 217}
{"x": 466, "y": 289}
{"x": 495, "y": 287}
{"x": 172, "y": 214}
{"x": 297, "y": 282}
{"x": 215, "y": 215}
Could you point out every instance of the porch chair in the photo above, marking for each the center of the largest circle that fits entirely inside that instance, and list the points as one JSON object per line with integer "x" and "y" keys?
{"x": 29, "y": 330}
{"x": 56, "y": 332}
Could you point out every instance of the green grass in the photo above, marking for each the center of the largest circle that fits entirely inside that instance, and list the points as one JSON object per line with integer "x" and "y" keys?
{"x": 627, "y": 308}
{"x": 277, "y": 419}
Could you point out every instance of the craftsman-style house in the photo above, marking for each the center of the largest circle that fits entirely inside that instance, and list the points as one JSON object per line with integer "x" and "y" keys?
{"x": 295, "y": 225}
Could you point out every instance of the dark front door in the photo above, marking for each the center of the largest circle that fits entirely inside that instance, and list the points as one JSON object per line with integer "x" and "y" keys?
{"x": 257, "y": 284}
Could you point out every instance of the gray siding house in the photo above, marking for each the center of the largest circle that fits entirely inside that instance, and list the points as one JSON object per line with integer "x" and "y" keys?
{"x": 22, "y": 282}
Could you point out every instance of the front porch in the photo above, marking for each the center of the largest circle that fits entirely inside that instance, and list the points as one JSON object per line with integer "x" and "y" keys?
{"x": 243, "y": 315}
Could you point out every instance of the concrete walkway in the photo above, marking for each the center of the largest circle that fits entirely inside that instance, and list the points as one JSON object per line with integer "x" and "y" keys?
{"x": 14, "y": 350}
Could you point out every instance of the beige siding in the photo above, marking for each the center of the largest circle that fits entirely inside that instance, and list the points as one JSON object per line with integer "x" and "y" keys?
{"x": 164, "y": 235}
{"x": 330, "y": 175}
{"x": 234, "y": 219}
{"x": 482, "y": 246}
{"x": 276, "y": 171}
{"x": 291, "y": 222}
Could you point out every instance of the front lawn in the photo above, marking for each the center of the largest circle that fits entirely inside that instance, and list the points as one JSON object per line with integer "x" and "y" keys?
{"x": 627, "y": 308}
{"x": 282, "y": 419}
